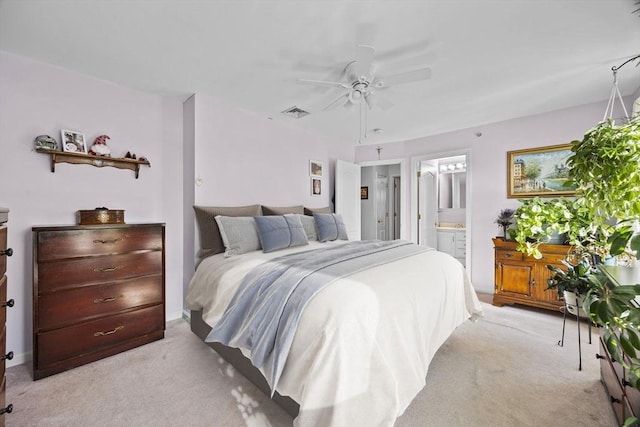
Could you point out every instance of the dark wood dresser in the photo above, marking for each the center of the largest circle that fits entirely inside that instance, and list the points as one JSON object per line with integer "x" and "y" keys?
{"x": 5, "y": 252}
{"x": 625, "y": 399}
{"x": 98, "y": 290}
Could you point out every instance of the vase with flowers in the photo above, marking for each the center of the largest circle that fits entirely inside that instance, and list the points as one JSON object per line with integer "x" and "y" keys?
{"x": 504, "y": 220}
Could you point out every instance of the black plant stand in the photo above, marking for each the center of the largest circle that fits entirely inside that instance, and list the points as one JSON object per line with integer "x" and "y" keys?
{"x": 564, "y": 310}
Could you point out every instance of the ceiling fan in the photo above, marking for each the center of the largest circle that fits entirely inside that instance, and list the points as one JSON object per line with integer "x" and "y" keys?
{"x": 361, "y": 85}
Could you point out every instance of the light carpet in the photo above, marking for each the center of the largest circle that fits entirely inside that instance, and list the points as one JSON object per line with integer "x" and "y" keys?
{"x": 504, "y": 370}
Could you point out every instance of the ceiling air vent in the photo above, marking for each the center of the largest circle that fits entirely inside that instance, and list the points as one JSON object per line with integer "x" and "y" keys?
{"x": 295, "y": 112}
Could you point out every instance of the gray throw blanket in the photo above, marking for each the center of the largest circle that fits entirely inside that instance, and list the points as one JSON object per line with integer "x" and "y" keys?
{"x": 265, "y": 310}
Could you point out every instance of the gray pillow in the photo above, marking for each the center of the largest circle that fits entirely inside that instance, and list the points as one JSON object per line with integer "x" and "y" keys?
{"x": 311, "y": 211}
{"x": 282, "y": 210}
{"x": 210, "y": 239}
{"x": 309, "y": 225}
{"x": 330, "y": 227}
{"x": 239, "y": 234}
{"x": 280, "y": 231}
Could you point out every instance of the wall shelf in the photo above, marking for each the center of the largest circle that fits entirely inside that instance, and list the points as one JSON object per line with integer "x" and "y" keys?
{"x": 97, "y": 161}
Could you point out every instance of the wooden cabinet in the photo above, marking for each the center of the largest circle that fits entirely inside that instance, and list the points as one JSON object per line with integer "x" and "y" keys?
{"x": 98, "y": 290}
{"x": 522, "y": 279}
{"x": 5, "y": 252}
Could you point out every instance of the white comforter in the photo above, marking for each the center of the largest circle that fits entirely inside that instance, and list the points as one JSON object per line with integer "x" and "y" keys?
{"x": 364, "y": 343}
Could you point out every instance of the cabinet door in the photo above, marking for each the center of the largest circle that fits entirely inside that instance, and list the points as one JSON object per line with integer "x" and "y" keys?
{"x": 447, "y": 242}
{"x": 540, "y": 291}
{"x": 514, "y": 278}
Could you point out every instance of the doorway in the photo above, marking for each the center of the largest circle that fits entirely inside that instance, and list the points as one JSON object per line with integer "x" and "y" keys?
{"x": 381, "y": 199}
{"x": 440, "y": 197}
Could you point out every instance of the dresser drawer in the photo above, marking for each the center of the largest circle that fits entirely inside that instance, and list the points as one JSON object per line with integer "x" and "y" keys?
{"x": 53, "y": 276}
{"x": 94, "y": 336}
{"x": 3, "y": 299}
{"x": 509, "y": 256}
{"x": 61, "y": 244}
{"x": 3, "y": 350}
{"x": 63, "y": 308}
{"x": 3, "y": 246}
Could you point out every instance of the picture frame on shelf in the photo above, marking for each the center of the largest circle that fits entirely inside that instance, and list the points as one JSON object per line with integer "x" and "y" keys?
{"x": 315, "y": 168}
{"x": 73, "y": 142}
{"x": 541, "y": 171}
{"x": 316, "y": 187}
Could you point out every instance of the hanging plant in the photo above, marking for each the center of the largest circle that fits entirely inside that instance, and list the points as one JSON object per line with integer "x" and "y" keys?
{"x": 605, "y": 165}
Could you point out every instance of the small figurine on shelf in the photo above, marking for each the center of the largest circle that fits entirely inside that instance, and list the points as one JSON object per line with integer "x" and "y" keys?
{"x": 100, "y": 147}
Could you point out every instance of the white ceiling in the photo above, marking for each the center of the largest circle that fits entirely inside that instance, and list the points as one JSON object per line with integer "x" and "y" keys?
{"x": 491, "y": 60}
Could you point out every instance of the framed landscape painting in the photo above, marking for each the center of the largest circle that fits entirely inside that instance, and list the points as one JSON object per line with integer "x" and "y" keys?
{"x": 539, "y": 172}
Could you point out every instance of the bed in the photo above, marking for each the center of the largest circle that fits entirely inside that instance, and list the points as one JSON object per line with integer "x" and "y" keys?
{"x": 361, "y": 347}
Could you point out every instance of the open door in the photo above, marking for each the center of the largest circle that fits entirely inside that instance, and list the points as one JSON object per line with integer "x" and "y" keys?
{"x": 428, "y": 205}
{"x": 347, "y": 196}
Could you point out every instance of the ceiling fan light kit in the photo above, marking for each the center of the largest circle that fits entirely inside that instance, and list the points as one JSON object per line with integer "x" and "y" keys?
{"x": 360, "y": 79}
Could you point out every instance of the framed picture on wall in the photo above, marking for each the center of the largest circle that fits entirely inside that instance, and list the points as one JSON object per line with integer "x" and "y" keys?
{"x": 539, "y": 171}
{"x": 364, "y": 193}
{"x": 316, "y": 187}
{"x": 73, "y": 142}
{"x": 315, "y": 168}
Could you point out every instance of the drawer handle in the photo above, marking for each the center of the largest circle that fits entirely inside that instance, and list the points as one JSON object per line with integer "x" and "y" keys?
{"x": 8, "y": 356}
{"x": 7, "y": 252}
{"x": 599, "y": 356}
{"x": 113, "y": 331}
{"x": 508, "y": 254}
{"x": 107, "y": 242}
{"x": 614, "y": 400}
{"x": 9, "y": 303}
{"x": 101, "y": 300}
{"x": 7, "y": 410}
{"x": 107, "y": 269}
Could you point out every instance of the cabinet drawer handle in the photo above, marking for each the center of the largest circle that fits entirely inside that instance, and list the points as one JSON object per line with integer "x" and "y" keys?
{"x": 107, "y": 269}
{"x": 113, "y": 331}
{"x": 7, "y": 252}
{"x": 9, "y": 303}
{"x": 101, "y": 300}
{"x": 107, "y": 242}
{"x": 508, "y": 254}
{"x": 7, "y": 410}
{"x": 8, "y": 356}
{"x": 614, "y": 400}
{"x": 599, "y": 356}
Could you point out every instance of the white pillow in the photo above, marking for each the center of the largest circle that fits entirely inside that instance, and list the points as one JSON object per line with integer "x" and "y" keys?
{"x": 239, "y": 234}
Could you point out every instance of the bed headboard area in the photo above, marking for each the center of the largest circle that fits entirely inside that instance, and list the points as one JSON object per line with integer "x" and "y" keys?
{"x": 211, "y": 242}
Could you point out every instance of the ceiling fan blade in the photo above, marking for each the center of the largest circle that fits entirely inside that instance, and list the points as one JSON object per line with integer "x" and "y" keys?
{"x": 364, "y": 58}
{"x": 402, "y": 78}
{"x": 323, "y": 83}
{"x": 341, "y": 100}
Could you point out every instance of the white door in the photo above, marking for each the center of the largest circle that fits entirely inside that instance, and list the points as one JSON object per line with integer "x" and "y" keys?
{"x": 396, "y": 207}
{"x": 428, "y": 186}
{"x": 382, "y": 206}
{"x": 347, "y": 196}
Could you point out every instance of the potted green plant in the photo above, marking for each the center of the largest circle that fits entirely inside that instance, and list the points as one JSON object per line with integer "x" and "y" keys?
{"x": 572, "y": 284}
{"x": 504, "y": 220}
{"x": 604, "y": 165}
{"x": 541, "y": 221}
